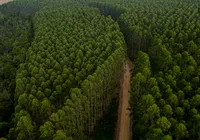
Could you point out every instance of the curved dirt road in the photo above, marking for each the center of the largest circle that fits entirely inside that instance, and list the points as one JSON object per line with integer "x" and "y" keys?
{"x": 123, "y": 124}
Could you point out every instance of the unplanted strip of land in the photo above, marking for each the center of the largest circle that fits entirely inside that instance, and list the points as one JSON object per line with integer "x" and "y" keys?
{"x": 123, "y": 126}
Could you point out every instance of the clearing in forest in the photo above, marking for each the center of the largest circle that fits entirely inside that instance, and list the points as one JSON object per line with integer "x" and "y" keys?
{"x": 3, "y": 1}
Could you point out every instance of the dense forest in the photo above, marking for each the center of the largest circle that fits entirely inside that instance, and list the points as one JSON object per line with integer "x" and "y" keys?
{"x": 61, "y": 62}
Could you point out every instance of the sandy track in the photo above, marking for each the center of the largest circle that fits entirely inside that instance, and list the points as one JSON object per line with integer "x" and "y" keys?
{"x": 123, "y": 124}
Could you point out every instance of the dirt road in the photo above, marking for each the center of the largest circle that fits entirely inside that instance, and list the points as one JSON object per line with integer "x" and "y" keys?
{"x": 123, "y": 124}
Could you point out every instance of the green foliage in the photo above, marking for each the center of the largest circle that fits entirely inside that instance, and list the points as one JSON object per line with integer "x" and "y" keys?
{"x": 168, "y": 35}
{"x": 70, "y": 74}
{"x": 181, "y": 131}
{"x": 15, "y": 38}
{"x": 167, "y": 137}
{"x": 67, "y": 78}
{"x": 163, "y": 123}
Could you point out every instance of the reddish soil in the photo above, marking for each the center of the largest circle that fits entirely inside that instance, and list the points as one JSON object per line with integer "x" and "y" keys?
{"x": 2, "y": 1}
{"x": 123, "y": 125}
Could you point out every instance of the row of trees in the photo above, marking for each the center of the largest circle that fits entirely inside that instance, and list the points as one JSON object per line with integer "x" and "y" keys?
{"x": 70, "y": 74}
{"x": 15, "y": 38}
{"x": 165, "y": 92}
{"x": 158, "y": 113}
{"x": 87, "y": 104}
